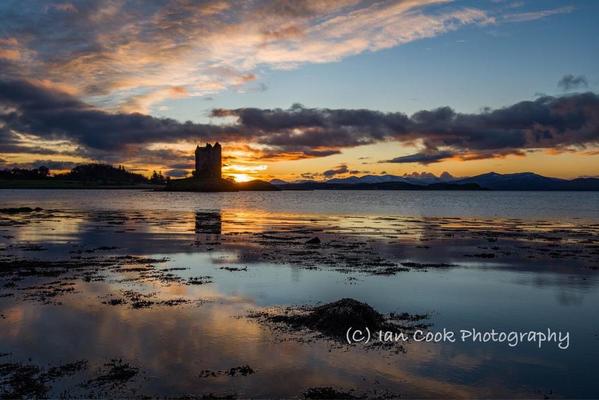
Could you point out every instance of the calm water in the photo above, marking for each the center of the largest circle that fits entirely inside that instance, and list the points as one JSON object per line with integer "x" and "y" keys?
{"x": 536, "y": 205}
{"x": 526, "y": 285}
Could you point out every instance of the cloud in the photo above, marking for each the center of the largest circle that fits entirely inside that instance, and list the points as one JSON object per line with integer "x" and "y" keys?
{"x": 426, "y": 157}
{"x": 542, "y": 123}
{"x": 535, "y": 15}
{"x": 338, "y": 170}
{"x": 50, "y": 164}
{"x": 64, "y": 7}
{"x": 177, "y": 173}
{"x": 50, "y": 114}
{"x": 422, "y": 158}
{"x": 9, "y": 49}
{"x": 45, "y": 114}
{"x": 570, "y": 82}
{"x": 54, "y": 164}
{"x": 126, "y": 53}
{"x": 142, "y": 103}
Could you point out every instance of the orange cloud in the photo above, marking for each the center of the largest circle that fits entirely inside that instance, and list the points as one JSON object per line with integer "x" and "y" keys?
{"x": 143, "y": 102}
{"x": 9, "y": 49}
{"x": 204, "y": 48}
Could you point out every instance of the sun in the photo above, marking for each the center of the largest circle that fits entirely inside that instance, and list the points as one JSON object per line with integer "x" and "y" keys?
{"x": 241, "y": 177}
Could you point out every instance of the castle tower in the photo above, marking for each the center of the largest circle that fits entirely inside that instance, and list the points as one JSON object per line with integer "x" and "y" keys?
{"x": 217, "y": 160}
{"x": 208, "y": 162}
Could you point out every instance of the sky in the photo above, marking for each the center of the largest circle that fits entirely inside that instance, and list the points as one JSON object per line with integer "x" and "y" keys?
{"x": 310, "y": 89}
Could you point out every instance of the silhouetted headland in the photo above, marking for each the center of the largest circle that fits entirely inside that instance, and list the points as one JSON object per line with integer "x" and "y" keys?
{"x": 194, "y": 184}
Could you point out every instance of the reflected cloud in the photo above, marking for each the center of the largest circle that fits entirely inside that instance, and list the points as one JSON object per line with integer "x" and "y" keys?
{"x": 198, "y": 299}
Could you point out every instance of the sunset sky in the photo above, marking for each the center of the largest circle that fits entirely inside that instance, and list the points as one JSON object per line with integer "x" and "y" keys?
{"x": 302, "y": 89}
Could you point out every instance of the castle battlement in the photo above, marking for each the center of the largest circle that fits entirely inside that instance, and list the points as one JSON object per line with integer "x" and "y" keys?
{"x": 209, "y": 162}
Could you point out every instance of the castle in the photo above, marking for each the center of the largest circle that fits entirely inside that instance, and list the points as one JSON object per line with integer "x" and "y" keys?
{"x": 209, "y": 162}
{"x": 207, "y": 177}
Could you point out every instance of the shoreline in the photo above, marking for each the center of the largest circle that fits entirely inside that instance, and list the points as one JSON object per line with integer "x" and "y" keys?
{"x": 262, "y": 186}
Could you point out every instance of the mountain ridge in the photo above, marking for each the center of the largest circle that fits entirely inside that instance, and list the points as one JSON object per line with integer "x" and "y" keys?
{"x": 491, "y": 181}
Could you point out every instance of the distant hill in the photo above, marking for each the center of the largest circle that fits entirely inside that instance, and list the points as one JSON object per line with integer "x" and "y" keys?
{"x": 377, "y": 186}
{"x": 278, "y": 182}
{"x": 416, "y": 179}
{"x": 427, "y": 181}
{"x": 530, "y": 181}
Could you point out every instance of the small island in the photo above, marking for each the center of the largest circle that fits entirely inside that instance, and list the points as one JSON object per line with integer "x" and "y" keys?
{"x": 207, "y": 176}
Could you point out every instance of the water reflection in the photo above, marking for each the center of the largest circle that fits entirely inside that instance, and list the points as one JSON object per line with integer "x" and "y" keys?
{"x": 208, "y": 227}
{"x": 466, "y": 272}
{"x": 208, "y": 222}
{"x": 171, "y": 345}
{"x": 487, "y": 204}
{"x": 363, "y": 242}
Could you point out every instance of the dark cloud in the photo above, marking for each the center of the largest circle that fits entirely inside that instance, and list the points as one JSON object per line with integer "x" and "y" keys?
{"x": 300, "y": 132}
{"x": 308, "y": 175}
{"x": 177, "y": 173}
{"x": 13, "y": 148}
{"x": 172, "y": 159}
{"x": 51, "y": 114}
{"x": 339, "y": 170}
{"x": 542, "y": 123}
{"x": 422, "y": 158}
{"x": 188, "y": 166}
{"x": 571, "y": 82}
{"x": 12, "y": 144}
{"x": 53, "y": 164}
{"x": 50, "y": 164}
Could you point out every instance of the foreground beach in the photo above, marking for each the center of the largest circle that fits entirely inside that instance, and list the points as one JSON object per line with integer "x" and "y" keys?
{"x": 118, "y": 297}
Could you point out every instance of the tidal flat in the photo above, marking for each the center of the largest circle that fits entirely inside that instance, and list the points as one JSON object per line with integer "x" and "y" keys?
{"x": 221, "y": 299}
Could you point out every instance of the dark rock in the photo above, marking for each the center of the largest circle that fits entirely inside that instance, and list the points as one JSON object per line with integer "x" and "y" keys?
{"x": 327, "y": 393}
{"x": 116, "y": 373}
{"x": 334, "y": 319}
{"x": 234, "y": 269}
{"x": 199, "y": 280}
{"x": 243, "y": 370}
{"x": 427, "y": 265}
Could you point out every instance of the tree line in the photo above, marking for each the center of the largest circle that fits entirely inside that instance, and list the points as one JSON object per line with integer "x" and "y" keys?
{"x": 96, "y": 173}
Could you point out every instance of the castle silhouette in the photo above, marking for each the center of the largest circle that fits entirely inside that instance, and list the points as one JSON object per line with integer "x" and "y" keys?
{"x": 207, "y": 176}
{"x": 209, "y": 162}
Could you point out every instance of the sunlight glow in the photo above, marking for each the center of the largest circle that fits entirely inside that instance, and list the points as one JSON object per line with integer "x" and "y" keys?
{"x": 241, "y": 177}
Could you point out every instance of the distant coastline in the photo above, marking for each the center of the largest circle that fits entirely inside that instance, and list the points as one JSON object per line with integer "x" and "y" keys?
{"x": 71, "y": 185}
{"x": 102, "y": 176}
{"x": 524, "y": 181}
{"x": 190, "y": 185}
